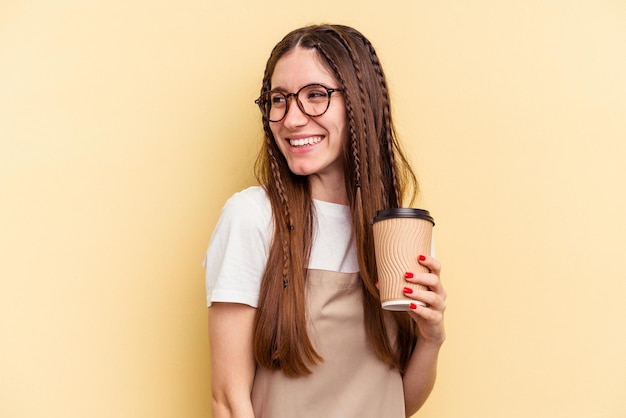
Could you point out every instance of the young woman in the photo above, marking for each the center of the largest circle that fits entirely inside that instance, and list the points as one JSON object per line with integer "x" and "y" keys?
{"x": 295, "y": 322}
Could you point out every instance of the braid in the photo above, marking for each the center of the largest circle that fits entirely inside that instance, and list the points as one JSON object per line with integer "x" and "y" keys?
{"x": 387, "y": 127}
{"x": 351, "y": 119}
{"x": 280, "y": 189}
{"x": 278, "y": 184}
{"x": 356, "y": 158}
{"x": 363, "y": 101}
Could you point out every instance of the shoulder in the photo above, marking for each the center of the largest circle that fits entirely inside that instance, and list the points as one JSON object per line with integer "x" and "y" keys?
{"x": 250, "y": 204}
{"x": 245, "y": 217}
{"x": 254, "y": 197}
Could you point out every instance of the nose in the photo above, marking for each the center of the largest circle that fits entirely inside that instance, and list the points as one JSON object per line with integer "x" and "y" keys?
{"x": 294, "y": 117}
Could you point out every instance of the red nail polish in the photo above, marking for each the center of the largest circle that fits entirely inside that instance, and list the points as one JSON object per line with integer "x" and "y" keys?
{"x": 408, "y": 275}
{"x": 422, "y": 258}
{"x": 412, "y": 306}
{"x": 408, "y": 290}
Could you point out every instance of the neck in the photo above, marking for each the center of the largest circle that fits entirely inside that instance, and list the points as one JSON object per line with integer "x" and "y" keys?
{"x": 328, "y": 190}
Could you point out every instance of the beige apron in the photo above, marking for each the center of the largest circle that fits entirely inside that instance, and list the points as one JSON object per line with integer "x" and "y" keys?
{"x": 352, "y": 381}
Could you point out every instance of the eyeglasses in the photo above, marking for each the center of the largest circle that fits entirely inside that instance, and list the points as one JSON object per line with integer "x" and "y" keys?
{"x": 312, "y": 99}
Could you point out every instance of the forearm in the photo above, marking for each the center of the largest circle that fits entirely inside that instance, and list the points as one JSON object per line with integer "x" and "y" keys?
{"x": 232, "y": 360}
{"x": 420, "y": 375}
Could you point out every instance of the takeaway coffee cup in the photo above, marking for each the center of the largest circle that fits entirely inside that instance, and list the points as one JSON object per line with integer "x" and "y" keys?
{"x": 400, "y": 236}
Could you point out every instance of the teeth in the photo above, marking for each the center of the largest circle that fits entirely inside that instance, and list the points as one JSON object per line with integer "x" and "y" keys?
{"x": 305, "y": 141}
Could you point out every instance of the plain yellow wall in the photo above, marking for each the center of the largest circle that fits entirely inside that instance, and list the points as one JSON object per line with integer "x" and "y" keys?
{"x": 124, "y": 125}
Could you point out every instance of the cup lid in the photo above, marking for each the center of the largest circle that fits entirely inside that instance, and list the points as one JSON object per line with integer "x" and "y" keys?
{"x": 403, "y": 213}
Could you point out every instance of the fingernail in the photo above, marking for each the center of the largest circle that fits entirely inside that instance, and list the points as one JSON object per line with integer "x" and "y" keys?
{"x": 408, "y": 290}
{"x": 408, "y": 275}
{"x": 412, "y": 306}
{"x": 422, "y": 258}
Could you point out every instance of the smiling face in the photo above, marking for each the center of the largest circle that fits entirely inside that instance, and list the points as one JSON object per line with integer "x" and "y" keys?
{"x": 312, "y": 146}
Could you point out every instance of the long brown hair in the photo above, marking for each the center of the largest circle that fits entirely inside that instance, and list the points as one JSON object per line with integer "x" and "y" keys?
{"x": 377, "y": 176}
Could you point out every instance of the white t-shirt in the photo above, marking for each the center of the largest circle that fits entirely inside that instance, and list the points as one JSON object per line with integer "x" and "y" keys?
{"x": 239, "y": 247}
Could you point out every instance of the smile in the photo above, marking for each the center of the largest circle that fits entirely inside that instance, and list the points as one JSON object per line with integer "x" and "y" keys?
{"x": 305, "y": 141}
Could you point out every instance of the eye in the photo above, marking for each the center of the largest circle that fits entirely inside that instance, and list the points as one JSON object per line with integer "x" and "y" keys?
{"x": 316, "y": 93}
{"x": 277, "y": 99}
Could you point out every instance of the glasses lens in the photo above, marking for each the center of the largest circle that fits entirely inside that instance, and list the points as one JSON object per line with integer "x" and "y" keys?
{"x": 314, "y": 99}
{"x": 275, "y": 106}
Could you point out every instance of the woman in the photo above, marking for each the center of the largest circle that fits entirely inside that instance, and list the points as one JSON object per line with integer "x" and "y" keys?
{"x": 295, "y": 323}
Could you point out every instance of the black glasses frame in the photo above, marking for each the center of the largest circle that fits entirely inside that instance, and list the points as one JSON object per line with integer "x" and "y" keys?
{"x": 264, "y": 99}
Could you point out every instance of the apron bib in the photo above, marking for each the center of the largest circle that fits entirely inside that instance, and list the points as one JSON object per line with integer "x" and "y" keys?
{"x": 351, "y": 381}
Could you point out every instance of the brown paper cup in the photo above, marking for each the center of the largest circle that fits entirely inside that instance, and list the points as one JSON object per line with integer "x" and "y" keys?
{"x": 400, "y": 236}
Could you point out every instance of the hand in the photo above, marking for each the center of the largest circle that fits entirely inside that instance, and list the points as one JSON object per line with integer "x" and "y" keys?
{"x": 429, "y": 318}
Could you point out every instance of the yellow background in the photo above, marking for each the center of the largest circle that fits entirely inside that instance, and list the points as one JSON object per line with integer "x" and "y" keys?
{"x": 124, "y": 125}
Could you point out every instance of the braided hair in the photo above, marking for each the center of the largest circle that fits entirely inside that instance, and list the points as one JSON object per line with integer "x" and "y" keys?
{"x": 377, "y": 176}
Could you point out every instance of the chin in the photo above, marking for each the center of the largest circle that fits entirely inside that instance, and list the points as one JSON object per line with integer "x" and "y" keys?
{"x": 301, "y": 172}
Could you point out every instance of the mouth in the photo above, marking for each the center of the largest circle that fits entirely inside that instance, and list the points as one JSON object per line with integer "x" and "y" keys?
{"x": 301, "y": 142}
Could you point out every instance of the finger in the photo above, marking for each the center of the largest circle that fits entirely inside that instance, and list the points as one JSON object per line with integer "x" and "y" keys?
{"x": 430, "y": 280}
{"x": 431, "y": 299}
{"x": 430, "y": 263}
{"x": 427, "y": 297}
{"x": 426, "y": 313}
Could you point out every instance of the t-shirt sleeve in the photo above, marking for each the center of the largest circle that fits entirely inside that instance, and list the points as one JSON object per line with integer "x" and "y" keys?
{"x": 238, "y": 251}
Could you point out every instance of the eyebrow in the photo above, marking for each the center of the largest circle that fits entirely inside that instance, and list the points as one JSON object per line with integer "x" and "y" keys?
{"x": 282, "y": 89}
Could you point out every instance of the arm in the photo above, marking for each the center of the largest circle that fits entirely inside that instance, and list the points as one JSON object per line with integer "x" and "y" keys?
{"x": 232, "y": 360}
{"x": 419, "y": 377}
